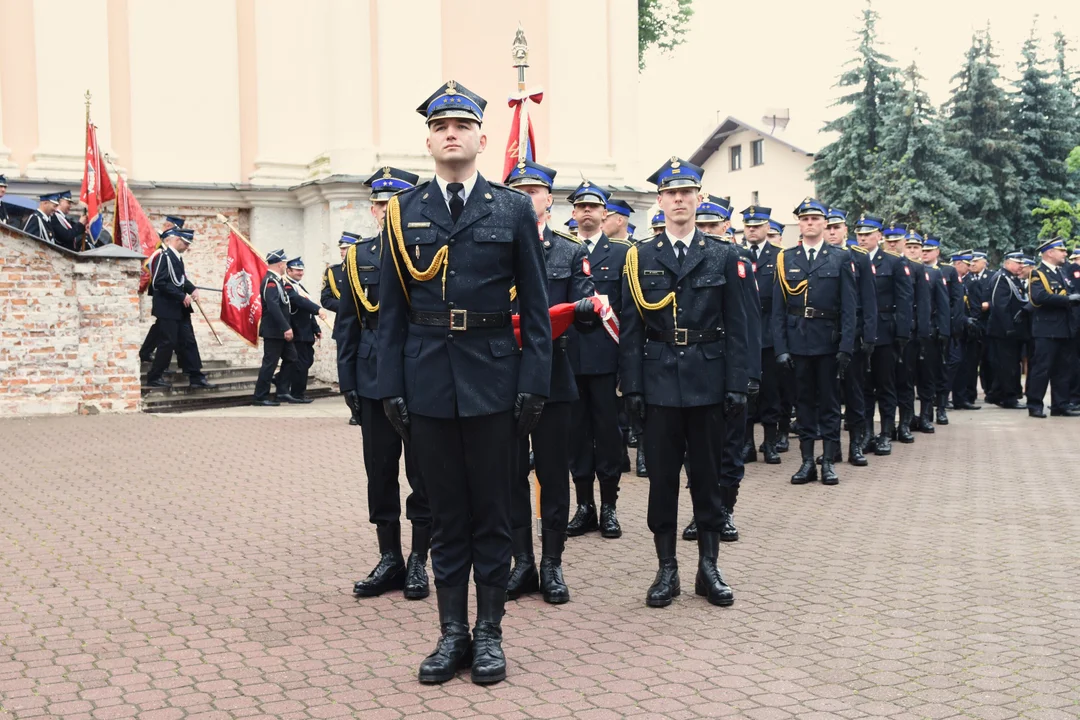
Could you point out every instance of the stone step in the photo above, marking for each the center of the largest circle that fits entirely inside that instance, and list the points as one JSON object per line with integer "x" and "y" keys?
{"x": 244, "y": 381}
{"x": 206, "y": 364}
{"x": 210, "y": 399}
{"x": 213, "y": 374}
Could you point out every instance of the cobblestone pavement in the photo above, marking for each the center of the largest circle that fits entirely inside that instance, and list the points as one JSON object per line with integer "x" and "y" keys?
{"x": 162, "y": 568}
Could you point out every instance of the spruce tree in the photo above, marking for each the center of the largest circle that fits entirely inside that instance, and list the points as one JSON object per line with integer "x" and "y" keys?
{"x": 843, "y": 169}
{"x": 913, "y": 170}
{"x": 1067, "y": 109}
{"x": 1040, "y": 122}
{"x": 977, "y": 126}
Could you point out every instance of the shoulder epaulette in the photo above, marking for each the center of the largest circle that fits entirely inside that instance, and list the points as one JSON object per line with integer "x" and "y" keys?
{"x": 566, "y": 235}
{"x": 859, "y": 248}
{"x": 627, "y": 243}
{"x": 890, "y": 252}
{"x": 718, "y": 238}
{"x": 501, "y": 186}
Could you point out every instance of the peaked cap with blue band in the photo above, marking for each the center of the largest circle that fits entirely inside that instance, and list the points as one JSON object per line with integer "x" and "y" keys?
{"x": 275, "y": 256}
{"x": 658, "y": 220}
{"x": 175, "y": 220}
{"x": 1017, "y": 255}
{"x": 932, "y": 241}
{"x": 757, "y": 215}
{"x": 836, "y": 216}
{"x": 867, "y": 224}
{"x": 388, "y": 182}
{"x": 810, "y": 206}
{"x": 1050, "y": 245}
{"x": 528, "y": 172}
{"x": 620, "y": 207}
{"x": 895, "y": 230}
{"x": 676, "y": 173}
{"x": 714, "y": 209}
{"x": 588, "y": 193}
{"x": 453, "y": 100}
{"x": 571, "y": 223}
{"x": 347, "y": 239}
{"x": 979, "y": 255}
{"x": 774, "y": 227}
{"x": 913, "y": 238}
{"x": 630, "y": 228}
{"x": 297, "y": 263}
{"x": 51, "y": 197}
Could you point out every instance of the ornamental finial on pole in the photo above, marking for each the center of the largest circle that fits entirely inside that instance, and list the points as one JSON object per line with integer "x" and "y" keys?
{"x": 520, "y": 52}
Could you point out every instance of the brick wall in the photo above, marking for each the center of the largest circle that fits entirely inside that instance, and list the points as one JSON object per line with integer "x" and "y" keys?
{"x": 69, "y": 330}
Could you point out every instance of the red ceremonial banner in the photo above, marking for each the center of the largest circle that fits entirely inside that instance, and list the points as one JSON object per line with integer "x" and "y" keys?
{"x": 562, "y": 316}
{"x": 97, "y": 188}
{"x": 132, "y": 229}
{"x": 241, "y": 303}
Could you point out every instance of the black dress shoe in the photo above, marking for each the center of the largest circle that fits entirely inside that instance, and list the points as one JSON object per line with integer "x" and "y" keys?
{"x": 584, "y": 521}
{"x": 488, "y": 661}
{"x": 552, "y": 584}
{"x": 287, "y": 398}
{"x": 883, "y": 446}
{"x": 200, "y": 382}
{"x": 302, "y": 400}
{"x": 782, "y": 444}
{"x": 265, "y": 402}
{"x": 965, "y": 405}
{"x": 353, "y": 420}
{"x": 1036, "y": 412}
{"x": 709, "y": 583}
{"x": 1011, "y": 405}
{"x": 690, "y": 532}
{"x": 728, "y": 531}
{"x": 454, "y": 651}
{"x": 159, "y": 383}
{"x": 389, "y": 573}
{"x": 1067, "y": 412}
{"x": 665, "y": 585}
{"x": 609, "y": 521}
{"x": 942, "y": 418}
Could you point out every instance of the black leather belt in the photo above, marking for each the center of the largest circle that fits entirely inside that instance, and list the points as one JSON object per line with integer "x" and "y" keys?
{"x": 886, "y": 310}
{"x": 369, "y": 322}
{"x": 682, "y": 336}
{"x": 460, "y": 319}
{"x": 812, "y": 313}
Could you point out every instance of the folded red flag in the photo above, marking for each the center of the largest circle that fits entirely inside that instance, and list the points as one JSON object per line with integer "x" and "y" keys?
{"x": 562, "y": 316}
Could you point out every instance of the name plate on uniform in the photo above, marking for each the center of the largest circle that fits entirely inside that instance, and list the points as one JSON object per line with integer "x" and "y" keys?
{"x": 419, "y": 225}
{"x": 365, "y": 268}
{"x": 647, "y": 273}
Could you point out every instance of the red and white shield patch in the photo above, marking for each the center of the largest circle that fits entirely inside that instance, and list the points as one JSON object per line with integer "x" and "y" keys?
{"x": 873, "y": 268}
{"x": 907, "y": 271}
{"x": 585, "y": 266}
{"x": 742, "y": 271}
{"x": 1076, "y": 274}
{"x": 927, "y": 274}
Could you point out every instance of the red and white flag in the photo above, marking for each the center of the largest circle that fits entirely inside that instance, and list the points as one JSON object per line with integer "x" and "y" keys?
{"x": 241, "y": 302}
{"x": 97, "y": 188}
{"x": 132, "y": 229}
{"x": 521, "y": 144}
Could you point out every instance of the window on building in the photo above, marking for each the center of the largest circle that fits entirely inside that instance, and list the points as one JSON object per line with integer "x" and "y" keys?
{"x": 754, "y": 198}
{"x": 736, "y": 158}
{"x": 757, "y": 153}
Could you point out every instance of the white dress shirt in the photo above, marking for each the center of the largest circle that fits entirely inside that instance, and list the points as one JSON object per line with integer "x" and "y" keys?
{"x": 469, "y": 185}
{"x": 590, "y": 242}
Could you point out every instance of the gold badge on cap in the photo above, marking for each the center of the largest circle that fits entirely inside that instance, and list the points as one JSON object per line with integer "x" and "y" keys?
{"x": 386, "y": 172}
{"x": 674, "y": 161}
{"x": 451, "y": 88}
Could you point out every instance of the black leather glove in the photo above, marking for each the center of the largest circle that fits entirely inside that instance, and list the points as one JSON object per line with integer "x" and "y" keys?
{"x": 734, "y": 404}
{"x": 901, "y": 343}
{"x": 634, "y": 406}
{"x": 586, "y": 319}
{"x": 867, "y": 347}
{"x": 784, "y": 360}
{"x": 1018, "y": 317}
{"x": 1074, "y": 298}
{"x": 397, "y": 412}
{"x": 753, "y": 394}
{"x": 527, "y": 409}
{"x": 843, "y": 359}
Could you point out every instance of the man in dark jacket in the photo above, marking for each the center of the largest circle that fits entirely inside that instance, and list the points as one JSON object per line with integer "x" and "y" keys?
{"x": 305, "y": 322}
{"x": 277, "y": 333}
{"x": 1053, "y": 299}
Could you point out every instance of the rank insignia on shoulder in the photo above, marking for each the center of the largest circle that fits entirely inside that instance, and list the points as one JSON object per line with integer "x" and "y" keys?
{"x": 419, "y": 225}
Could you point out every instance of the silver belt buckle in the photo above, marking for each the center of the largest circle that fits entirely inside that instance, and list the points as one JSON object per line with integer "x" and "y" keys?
{"x": 682, "y": 337}
{"x": 808, "y": 313}
{"x": 459, "y": 320}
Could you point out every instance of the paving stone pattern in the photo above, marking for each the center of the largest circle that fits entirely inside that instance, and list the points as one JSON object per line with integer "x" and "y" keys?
{"x": 163, "y": 568}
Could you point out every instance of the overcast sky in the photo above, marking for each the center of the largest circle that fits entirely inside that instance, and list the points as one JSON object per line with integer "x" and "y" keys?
{"x": 741, "y": 58}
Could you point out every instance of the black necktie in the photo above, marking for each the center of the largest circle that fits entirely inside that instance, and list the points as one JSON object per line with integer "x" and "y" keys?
{"x": 810, "y": 255}
{"x": 457, "y": 200}
{"x": 680, "y": 252}
{"x": 754, "y": 249}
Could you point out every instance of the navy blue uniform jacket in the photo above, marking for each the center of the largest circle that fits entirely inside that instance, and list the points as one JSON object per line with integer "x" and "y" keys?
{"x": 596, "y": 353}
{"x": 829, "y": 286}
{"x": 492, "y": 247}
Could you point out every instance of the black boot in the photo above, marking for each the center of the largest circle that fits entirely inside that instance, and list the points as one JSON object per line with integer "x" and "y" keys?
{"x": 642, "y": 471}
{"x": 708, "y": 582}
{"x": 926, "y": 418}
{"x": 942, "y": 418}
{"x": 632, "y": 439}
{"x": 609, "y": 521}
{"x": 884, "y": 440}
{"x": 551, "y": 578}
{"x": 690, "y": 533}
{"x": 903, "y": 433}
{"x": 389, "y": 574}
{"x": 584, "y": 519}
{"x": 625, "y": 466}
{"x": 416, "y": 579}
{"x": 523, "y": 577}
{"x": 749, "y": 452}
{"x": 454, "y": 650}
{"x": 828, "y": 472}
{"x": 855, "y": 452}
{"x": 782, "y": 444}
{"x": 807, "y": 472}
{"x": 488, "y": 662}
{"x": 353, "y": 401}
{"x": 728, "y": 531}
{"x": 768, "y": 449}
{"x": 666, "y": 584}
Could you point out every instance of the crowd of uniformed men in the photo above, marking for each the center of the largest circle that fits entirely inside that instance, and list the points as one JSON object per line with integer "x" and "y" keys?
{"x": 468, "y": 338}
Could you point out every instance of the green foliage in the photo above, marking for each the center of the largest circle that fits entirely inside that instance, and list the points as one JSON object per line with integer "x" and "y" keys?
{"x": 1058, "y": 218}
{"x": 1073, "y": 161}
{"x": 661, "y": 23}
{"x": 842, "y": 169}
